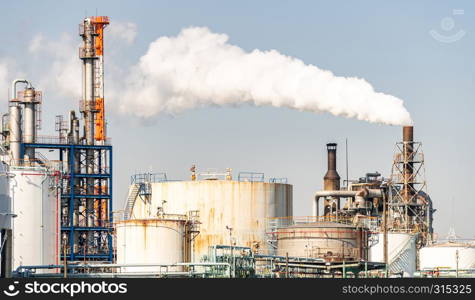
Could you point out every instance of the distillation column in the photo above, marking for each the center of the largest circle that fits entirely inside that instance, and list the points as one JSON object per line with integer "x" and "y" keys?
{"x": 15, "y": 135}
{"x": 88, "y": 56}
{"x": 30, "y": 102}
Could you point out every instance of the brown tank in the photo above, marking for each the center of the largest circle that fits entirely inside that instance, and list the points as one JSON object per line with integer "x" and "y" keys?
{"x": 331, "y": 180}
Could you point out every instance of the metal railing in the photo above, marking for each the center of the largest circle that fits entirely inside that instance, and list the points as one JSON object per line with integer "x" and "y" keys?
{"x": 53, "y": 165}
{"x": 45, "y": 139}
{"x": 278, "y": 180}
{"x": 251, "y": 176}
{"x": 140, "y": 178}
{"x": 362, "y": 221}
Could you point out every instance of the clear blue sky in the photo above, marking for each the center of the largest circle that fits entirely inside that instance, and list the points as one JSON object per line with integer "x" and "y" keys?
{"x": 386, "y": 43}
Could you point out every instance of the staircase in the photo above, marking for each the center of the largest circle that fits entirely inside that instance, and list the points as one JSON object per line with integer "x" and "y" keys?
{"x": 401, "y": 261}
{"x": 129, "y": 204}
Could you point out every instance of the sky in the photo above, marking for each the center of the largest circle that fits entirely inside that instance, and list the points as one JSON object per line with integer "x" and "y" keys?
{"x": 419, "y": 52}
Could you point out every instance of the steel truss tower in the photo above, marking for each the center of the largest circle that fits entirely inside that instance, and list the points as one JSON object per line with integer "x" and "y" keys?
{"x": 410, "y": 207}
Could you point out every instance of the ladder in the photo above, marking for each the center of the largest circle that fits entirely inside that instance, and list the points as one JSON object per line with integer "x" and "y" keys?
{"x": 129, "y": 204}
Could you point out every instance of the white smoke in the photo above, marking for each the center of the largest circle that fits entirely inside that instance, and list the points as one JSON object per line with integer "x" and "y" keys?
{"x": 199, "y": 68}
{"x": 4, "y": 73}
{"x": 63, "y": 74}
{"x": 125, "y": 31}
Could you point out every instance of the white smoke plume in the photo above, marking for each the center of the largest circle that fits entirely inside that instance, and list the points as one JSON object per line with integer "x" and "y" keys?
{"x": 124, "y": 31}
{"x": 199, "y": 68}
{"x": 63, "y": 73}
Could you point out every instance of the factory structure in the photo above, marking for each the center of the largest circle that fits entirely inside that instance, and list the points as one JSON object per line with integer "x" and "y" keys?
{"x": 57, "y": 218}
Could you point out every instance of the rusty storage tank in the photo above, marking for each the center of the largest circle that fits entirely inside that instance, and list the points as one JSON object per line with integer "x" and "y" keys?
{"x": 229, "y": 211}
{"x": 150, "y": 241}
{"x": 328, "y": 240}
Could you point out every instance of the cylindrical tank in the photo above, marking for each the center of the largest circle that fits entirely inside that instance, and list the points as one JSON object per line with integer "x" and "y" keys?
{"x": 328, "y": 240}
{"x": 29, "y": 121}
{"x": 447, "y": 256}
{"x": 5, "y": 200}
{"x": 36, "y": 231}
{"x": 229, "y": 211}
{"x": 401, "y": 252}
{"x": 15, "y": 131}
{"x": 150, "y": 241}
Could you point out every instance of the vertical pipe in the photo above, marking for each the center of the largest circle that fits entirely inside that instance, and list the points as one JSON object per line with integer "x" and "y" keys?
{"x": 346, "y": 160}
{"x": 15, "y": 132}
{"x": 88, "y": 58}
{"x": 6, "y": 254}
{"x": 29, "y": 121}
{"x": 15, "y": 122}
{"x": 408, "y": 165}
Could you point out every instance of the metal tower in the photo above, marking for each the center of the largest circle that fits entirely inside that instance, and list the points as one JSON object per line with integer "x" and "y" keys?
{"x": 410, "y": 207}
{"x": 86, "y": 160}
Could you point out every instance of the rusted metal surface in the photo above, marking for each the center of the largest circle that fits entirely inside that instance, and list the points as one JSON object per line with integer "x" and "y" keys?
{"x": 331, "y": 180}
{"x": 327, "y": 240}
{"x": 408, "y": 166}
{"x": 241, "y": 206}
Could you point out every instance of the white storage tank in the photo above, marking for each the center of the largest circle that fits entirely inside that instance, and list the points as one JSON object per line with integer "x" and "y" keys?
{"x": 6, "y": 212}
{"x": 447, "y": 256}
{"x": 36, "y": 231}
{"x": 150, "y": 241}
{"x": 229, "y": 211}
{"x": 402, "y": 254}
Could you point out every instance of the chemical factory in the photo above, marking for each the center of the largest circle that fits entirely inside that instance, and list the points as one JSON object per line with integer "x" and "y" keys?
{"x": 57, "y": 217}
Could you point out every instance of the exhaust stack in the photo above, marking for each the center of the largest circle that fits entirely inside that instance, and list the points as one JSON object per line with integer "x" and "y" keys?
{"x": 408, "y": 166}
{"x": 331, "y": 180}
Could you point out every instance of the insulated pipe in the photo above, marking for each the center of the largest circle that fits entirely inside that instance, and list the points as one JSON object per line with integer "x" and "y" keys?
{"x": 14, "y": 83}
{"x": 15, "y": 122}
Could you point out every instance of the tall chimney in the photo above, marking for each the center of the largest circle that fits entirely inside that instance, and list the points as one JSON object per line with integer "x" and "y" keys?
{"x": 331, "y": 180}
{"x": 408, "y": 162}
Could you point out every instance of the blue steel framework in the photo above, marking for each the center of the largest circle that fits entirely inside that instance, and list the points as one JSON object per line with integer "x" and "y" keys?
{"x": 71, "y": 196}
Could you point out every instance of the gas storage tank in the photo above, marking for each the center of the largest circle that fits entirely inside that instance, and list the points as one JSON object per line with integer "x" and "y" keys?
{"x": 327, "y": 240}
{"x": 36, "y": 231}
{"x": 401, "y": 252}
{"x": 229, "y": 211}
{"x": 150, "y": 241}
{"x": 448, "y": 255}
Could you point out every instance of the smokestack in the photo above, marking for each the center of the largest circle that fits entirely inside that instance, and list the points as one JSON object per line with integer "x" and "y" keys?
{"x": 331, "y": 180}
{"x": 408, "y": 165}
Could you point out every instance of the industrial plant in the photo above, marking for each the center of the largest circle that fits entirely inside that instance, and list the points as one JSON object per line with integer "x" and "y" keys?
{"x": 57, "y": 217}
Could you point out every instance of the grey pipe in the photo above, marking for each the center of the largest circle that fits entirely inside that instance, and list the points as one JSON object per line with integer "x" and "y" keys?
{"x": 15, "y": 122}
{"x": 14, "y": 83}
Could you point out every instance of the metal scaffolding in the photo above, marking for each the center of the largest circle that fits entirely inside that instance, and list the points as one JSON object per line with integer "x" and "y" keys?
{"x": 410, "y": 207}
{"x": 77, "y": 198}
